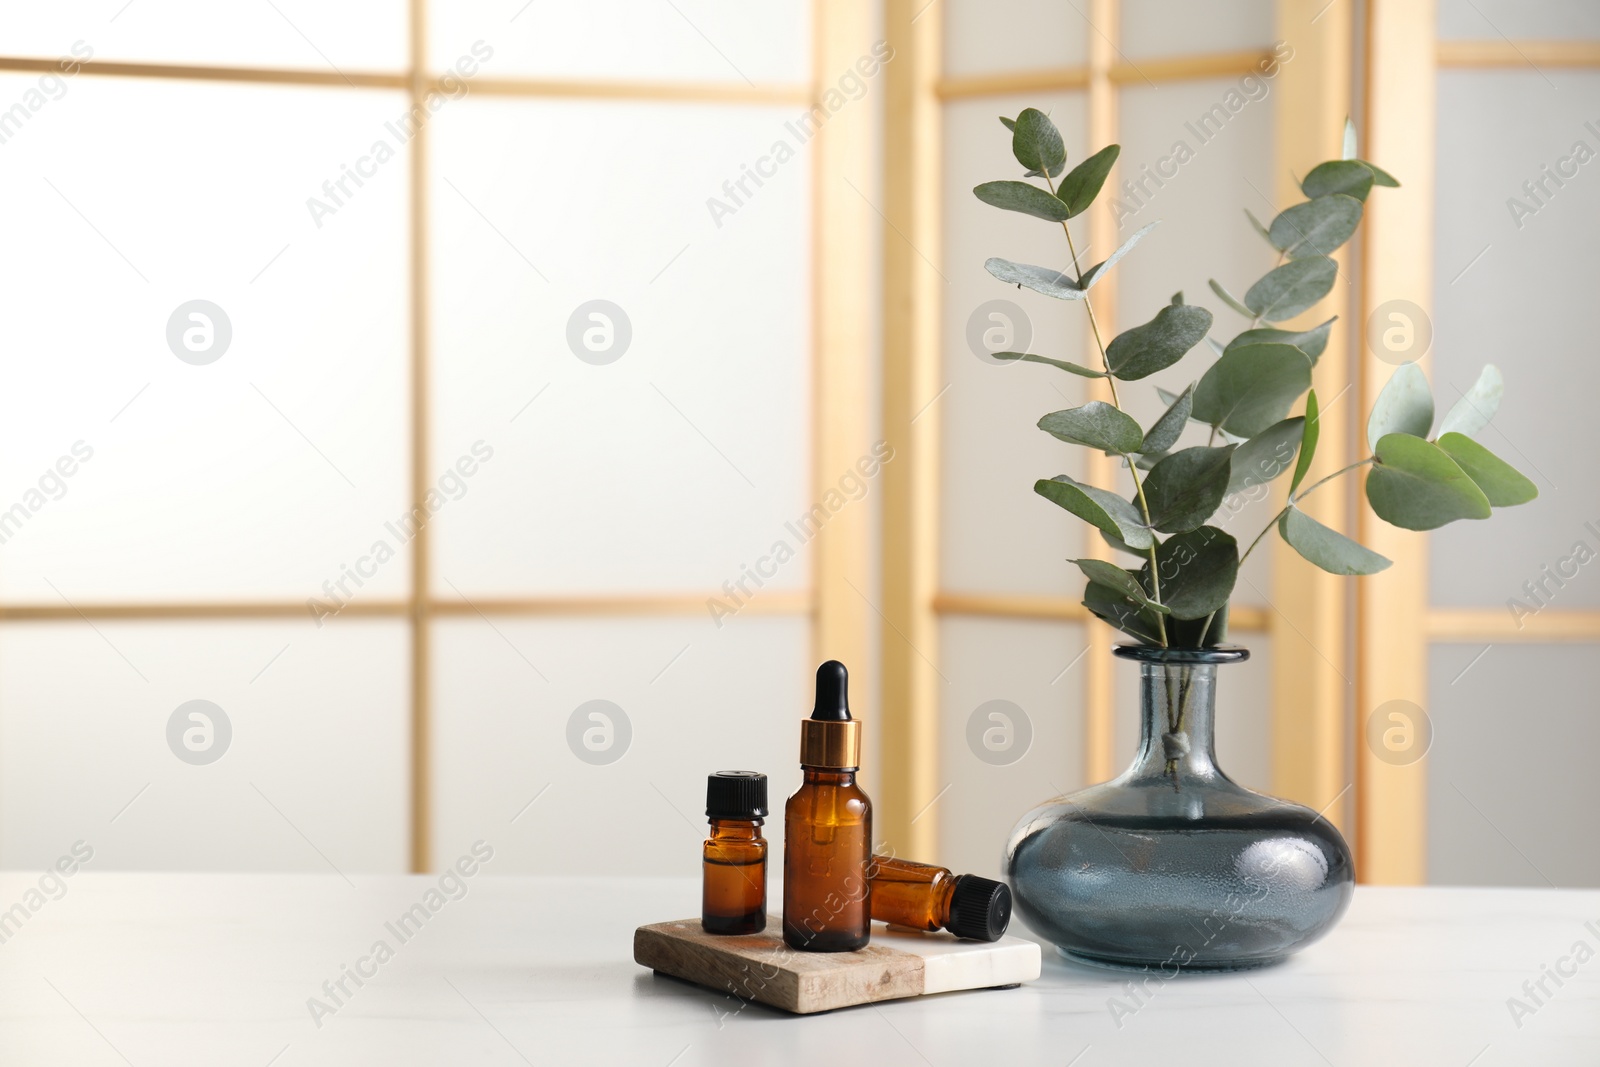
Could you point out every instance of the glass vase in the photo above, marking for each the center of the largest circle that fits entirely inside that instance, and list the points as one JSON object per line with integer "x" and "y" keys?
{"x": 1173, "y": 865}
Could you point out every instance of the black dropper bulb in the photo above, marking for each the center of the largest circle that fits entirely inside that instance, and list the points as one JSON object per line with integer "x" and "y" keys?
{"x": 833, "y": 696}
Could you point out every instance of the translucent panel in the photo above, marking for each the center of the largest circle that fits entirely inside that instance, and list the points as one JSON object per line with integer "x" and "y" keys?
{"x": 1511, "y": 784}
{"x": 657, "y": 439}
{"x": 1516, "y": 292}
{"x": 687, "y": 40}
{"x": 1244, "y": 714}
{"x": 205, "y": 746}
{"x": 980, "y": 36}
{"x": 1495, "y": 20}
{"x": 1183, "y": 28}
{"x": 252, "y": 451}
{"x": 1194, "y": 155}
{"x": 996, "y": 535}
{"x": 347, "y": 37}
{"x": 1011, "y": 730}
{"x": 582, "y": 746}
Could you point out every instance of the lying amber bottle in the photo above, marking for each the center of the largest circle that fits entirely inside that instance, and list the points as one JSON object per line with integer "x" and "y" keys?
{"x": 925, "y": 897}
{"x": 733, "y": 897}
{"x": 827, "y": 830}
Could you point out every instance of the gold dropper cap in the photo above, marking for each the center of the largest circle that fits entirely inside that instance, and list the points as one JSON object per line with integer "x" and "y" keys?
{"x": 831, "y": 739}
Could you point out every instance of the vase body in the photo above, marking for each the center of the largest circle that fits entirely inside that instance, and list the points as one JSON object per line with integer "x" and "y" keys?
{"x": 1173, "y": 865}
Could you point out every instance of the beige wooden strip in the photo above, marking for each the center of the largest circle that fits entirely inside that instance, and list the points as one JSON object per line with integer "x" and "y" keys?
{"x": 1311, "y": 673}
{"x": 1397, "y": 264}
{"x": 421, "y": 661}
{"x": 1012, "y": 83}
{"x": 1242, "y": 618}
{"x": 1502, "y": 625}
{"x": 1513, "y": 55}
{"x": 912, "y": 294}
{"x": 194, "y": 72}
{"x": 1189, "y": 68}
{"x": 656, "y": 91}
{"x": 775, "y": 602}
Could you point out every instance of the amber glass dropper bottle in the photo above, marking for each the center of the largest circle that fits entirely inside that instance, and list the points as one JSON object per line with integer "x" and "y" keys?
{"x": 733, "y": 897}
{"x": 827, "y": 829}
{"x": 925, "y": 897}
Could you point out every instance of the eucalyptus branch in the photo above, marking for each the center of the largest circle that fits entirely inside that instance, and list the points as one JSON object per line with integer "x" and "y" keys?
{"x": 1307, "y": 491}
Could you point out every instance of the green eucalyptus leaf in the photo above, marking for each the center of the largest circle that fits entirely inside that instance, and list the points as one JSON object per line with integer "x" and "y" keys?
{"x": 1039, "y": 279}
{"x": 1022, "y": 197}
{"x": 1096, "y": 272}
{"x": 1037, "y": 143}
{"x": 1415, "y": 485}
{"x": 1159, "y": 343}
{"x": 1250, "y": 388}
{"x": 1186, "y": 488}
{"x": 1082, "y": 183}
{"x": 1405, "y": 405}
{"x": 1348, "y": 149}
{"x": 1477, "y": 406}
{"x": 1229, "y": 299}
{"x": 1348, "y": 176}
{"x": 1266, "y": 455}
{"x": 1217, "y": 347}
{"x": 1312, "y": 342}
{"x": 1123, "y": 581}
{"x": 1502, "y": 483}
{"x": 1096, "y": 424}
{"x": 1379, "y": 175}
{"x": 1308, "y": 442}
{"x": 1169, "y": 427}
{"x": 1327, "y": 547}
{"x": 1266, "y": 234}
{"x": 1177, "y": 298}
{"x": 1120, "y": 545}
{"x": 1114, "y": 609}
{"x": 1197, "y": 569}
{"x": 1106, "y": 511}
{"x": 1286, "y": 291}
{"x": 1010, "y": 124}
{"x": 1070, "y": 368}
{"x": 1316, "y": 227}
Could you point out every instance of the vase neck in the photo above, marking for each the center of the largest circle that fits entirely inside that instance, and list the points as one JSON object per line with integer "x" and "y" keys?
{"x": 1177, "y": 701}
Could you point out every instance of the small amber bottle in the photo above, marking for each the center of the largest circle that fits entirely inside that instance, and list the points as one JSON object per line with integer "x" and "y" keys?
{"x": 925, "y": 897}
{"x": 733, "y": 898}
{"x": 827, "y": 829}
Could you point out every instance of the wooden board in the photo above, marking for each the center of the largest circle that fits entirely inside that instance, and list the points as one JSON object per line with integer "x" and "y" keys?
{"x": 898, "y": 963}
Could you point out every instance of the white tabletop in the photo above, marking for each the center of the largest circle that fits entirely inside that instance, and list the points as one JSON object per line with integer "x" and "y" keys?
{"x": 216, "y": 969}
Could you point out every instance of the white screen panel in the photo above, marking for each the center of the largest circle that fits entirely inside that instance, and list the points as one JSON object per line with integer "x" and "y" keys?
{"x": 693, "y": 699}
{"x": 680, "y": 462}
{"x": 1183, "y": 28}
{"x": 981, "y": 36}
{"x": 204, "y": 476}
{"x": 632, "y": 40}
{"x": 1011, "y": 730}
{"x": 1194, "y": 155}
{"x": 347, "y": 37}
{"x": 1513, "y": 291}
{"x": 1511, "y": 783}
{"x": 996, "y": 534}
{"x": 1518, "y": 20}
{"x": 308, "y": 756}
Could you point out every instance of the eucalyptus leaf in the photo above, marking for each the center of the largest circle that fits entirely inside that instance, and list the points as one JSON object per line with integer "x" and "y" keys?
{"x": 1308, "y": 442}
{"x": 1022, "y": 197}
{"x": 1037, "y": 143}
{"x": 1348, "y": 176}
{"x": 1039, "y": 279}
{"x": 1502, "y": 483}
{"x": 1198, "y": 569}
{"x": 1379, "y": 175}
{"x": 1082, "y": 183}
{"x": 1186, "y": 488}
{"x": 1125, "y": 582}
{"x": 1159, "y": 343}
{"x": 1314, "y": 228}
{"x": 1094, "y": 273}
{"x": 1177, "y": 298}
{"x": 1229, "y": 299}
{"x": 1477, "y": 406}
{"x": 1417, "y": 486}
{"x": 1010, "y": 124}
{"x": 1327, "y": 547}
{"x": 1169, "y": 427}
{"x": 1114, "y": 609}
{"x": 1266, "y": 455}
{"x": 1348, "y": 148}
{"x": 1266, "y": 234}
{"x": 1250, "y": 388}
{"x": 1405, "y": 405}
{"x": 1070, "y": 368}
{"x": 1216, "y": 346}
{"x": 1095, "y": 424}
{"x": 1208, "y": 631}
{"x": 1286, "y": 291}
{"x": 1106, "y": 511}
{"x": 1312, "y": 342}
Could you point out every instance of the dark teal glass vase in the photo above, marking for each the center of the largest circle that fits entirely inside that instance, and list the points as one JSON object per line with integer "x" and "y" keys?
{"x": 1174, "y": 866}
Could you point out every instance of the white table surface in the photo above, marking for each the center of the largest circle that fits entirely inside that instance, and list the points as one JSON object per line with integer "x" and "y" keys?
{"x": 216, "y": 969}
